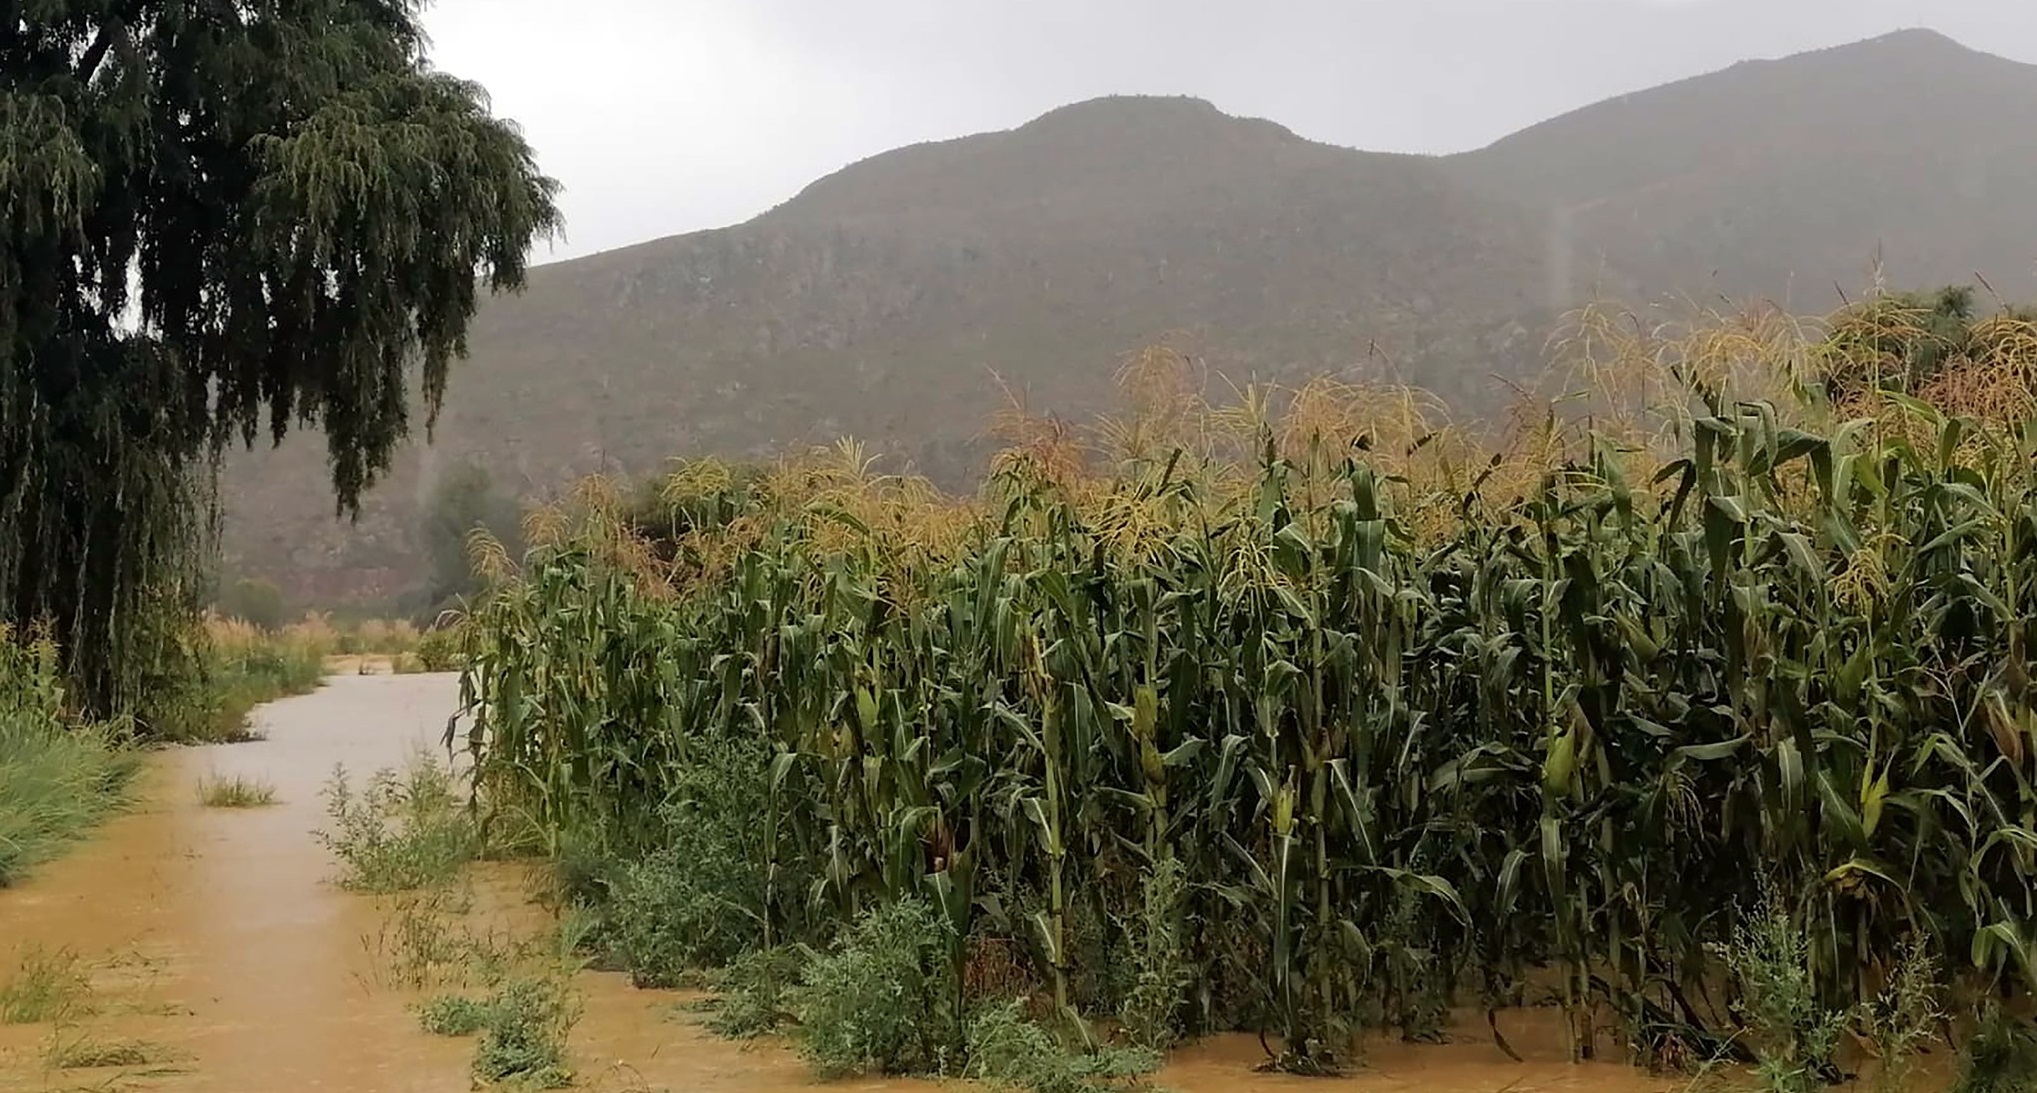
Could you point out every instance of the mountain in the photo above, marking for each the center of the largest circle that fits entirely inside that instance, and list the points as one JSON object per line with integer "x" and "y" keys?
{"x": 1787, "y": 178}
{"x": 888, "y": 300}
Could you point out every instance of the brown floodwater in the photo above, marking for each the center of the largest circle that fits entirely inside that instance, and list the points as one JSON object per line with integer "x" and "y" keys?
{"x": 214, "y": 938}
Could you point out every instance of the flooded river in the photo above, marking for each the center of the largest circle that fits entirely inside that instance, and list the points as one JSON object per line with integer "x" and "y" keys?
{"x": 221, "y": 958}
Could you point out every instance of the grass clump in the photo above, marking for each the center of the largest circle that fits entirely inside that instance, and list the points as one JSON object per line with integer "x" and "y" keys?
{"x": 398, "y": 833}
{"x": 47, "y": 986}
{"x": 1008, "y": 1050}
{"x": 2000, "y": 1058}
{"x": 523, "y": 1039}
{"x": 57, "y": 777}
{"x": 883, "y": 1000}
{"x": 235, "y": 791}
{"x": 453, "y": 1015}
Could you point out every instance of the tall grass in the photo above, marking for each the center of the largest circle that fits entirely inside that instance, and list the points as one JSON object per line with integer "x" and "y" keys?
{"x": 1420, "y": 718}
{"x": 57, "y": 776}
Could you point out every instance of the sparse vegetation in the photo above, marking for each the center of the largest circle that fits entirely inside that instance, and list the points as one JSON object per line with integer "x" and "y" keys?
{"x": 1795, "y": 1037}
{"x": 45, "y": 987}
{"x": 72, "y": 1050}
{"x": 756, "y": 994}
{"x": 235, "y": 791}
{"x": 399, "y": 832}
{"x": 2000, "y": 1057}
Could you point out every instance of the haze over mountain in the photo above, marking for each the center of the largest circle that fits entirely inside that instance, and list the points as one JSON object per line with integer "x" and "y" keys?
{"x": 880, "y": 300}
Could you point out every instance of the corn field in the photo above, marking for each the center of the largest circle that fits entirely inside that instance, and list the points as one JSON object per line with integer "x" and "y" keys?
{"x": 1424, "y": 723}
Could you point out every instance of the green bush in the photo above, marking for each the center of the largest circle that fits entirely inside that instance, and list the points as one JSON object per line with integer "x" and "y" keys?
{"x": 1794, "y": 1035}
{"x": 453, "y": 1015}
{"x": 1008, "y": 1050}
{"x": 883, "y": 999}
{"x": 399, "y": 833}
{"x": 438, "y": 650}
{"x": 755, "y": 994}
{"x": 694, "y": 902}
{"x": 524, "y": 1037}
{"x": 1160, "y": 970}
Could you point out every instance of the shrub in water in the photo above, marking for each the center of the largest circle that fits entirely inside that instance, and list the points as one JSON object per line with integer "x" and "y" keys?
{"x": 1794, "y": 1036}
{"x": 399, "y": 833}
{"x": 883, "y": 1000}
{"x": 524, "y": 1038}
{"x": 1160, "y": 969}
{"x": 1006, "y": 1049}
{"x": 452, "y": 1015}
{"x": 697, "y": 900}
{"x": 754, "y": 994}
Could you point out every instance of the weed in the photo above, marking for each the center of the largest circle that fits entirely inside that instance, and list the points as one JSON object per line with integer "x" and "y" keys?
{"x": 524, "y": 1038}
{"x": 2000, "y": 1058}
{"x": 1008, "y": 1050}
{"x": 47, "y": 986}
{"x": 83, "y": 1052}
{"x": 754, "y": 994}
{"x": 398, "y": 833}
{"x": 1160, "y": 970}
{"x": 235, "y": 791}
{"x": 1794, "y": 1036}
{"x": 883, "y": 999}
{"x": 1900, "y": 1019}
{"x": 453, "y": 1015}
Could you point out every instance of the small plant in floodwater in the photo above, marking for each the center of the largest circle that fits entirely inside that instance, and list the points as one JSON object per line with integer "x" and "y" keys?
{"x": 523, "y": 1040}
{"x": 1008, "y": 1050}
{"x": 1794, "y": 1036}
{"x": 754, "y": 995}
{"x": 46, "y": 986}
{"x": 85, "y": 1052}
{"x": 235, "y": 791}
{"x": 399, "y": 832}
{"x": 2001, "y": 1057}
{"x": 883, "y": 1000}
{"x": 453, "y": 1015}
{"x": 1900, "y": 1020}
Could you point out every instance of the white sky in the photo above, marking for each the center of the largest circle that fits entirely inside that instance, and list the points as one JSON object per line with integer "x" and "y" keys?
{"x": 667, "y": 116}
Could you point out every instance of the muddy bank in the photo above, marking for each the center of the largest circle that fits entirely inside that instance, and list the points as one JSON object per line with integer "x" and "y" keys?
{"x": 217, "y": 948}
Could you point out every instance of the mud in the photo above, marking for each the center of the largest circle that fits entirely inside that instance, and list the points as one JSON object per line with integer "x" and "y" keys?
{"x": 214, "y": 938}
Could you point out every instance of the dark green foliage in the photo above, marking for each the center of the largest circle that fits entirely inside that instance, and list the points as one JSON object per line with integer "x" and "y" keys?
{"x": 2000, "y": 1058}
{"x": 755, "y": 994}
{"x": 399, "y": 832}
{"x": 217, "y": 222}
{"x": 882, "y": 1000}
{"x": 697, "y": 900}
{"x": 1010, "y": 1051}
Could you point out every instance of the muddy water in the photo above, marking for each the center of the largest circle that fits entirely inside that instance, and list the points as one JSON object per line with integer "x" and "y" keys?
{"x": 213, "y": 937}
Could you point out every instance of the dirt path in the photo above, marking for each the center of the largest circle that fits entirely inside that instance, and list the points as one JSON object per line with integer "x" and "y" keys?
{"x": 212, "y": 936}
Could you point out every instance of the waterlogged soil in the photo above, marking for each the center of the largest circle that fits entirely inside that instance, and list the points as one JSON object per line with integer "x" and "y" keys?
{"x": 219, "y": 952}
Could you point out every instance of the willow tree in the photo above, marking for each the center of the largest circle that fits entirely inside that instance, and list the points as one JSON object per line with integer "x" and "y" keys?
{"x": 219, "y": 220}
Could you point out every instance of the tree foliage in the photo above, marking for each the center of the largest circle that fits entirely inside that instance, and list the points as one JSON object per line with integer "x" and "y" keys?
{"x": 219, "y": 218}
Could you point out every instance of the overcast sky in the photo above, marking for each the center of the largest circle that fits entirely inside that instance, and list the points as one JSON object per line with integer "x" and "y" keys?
{"x": 667, "y": 116}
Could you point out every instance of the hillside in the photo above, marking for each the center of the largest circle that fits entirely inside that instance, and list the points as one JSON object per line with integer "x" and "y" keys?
{"x": 1787, "y": 178}
{"x": 881, "y": 301}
